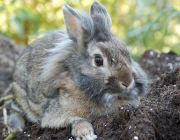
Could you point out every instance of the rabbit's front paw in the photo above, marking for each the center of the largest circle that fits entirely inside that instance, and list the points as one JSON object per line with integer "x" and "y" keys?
{"x": 83, "y": 130}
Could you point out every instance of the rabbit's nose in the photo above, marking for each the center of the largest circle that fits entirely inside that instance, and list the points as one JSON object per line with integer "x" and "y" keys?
{"x": 125, "y": 76}
{"x": 128, "y": 86}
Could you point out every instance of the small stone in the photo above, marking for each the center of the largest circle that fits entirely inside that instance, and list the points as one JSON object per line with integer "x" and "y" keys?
{"x": 135, "y": 137}
{"x": 149, "y": 61}
{"x": 178, "y": 58}
{"x": 151, "y": 52}
{"x": 158, "y": 78}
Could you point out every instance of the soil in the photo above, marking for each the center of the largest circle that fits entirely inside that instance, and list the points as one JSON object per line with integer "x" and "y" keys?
{"x": 156, "y": 117}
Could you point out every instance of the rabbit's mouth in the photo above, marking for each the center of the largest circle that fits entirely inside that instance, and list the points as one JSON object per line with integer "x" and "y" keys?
{"x": 108, "y": 96}
{"x": 112, "y": 93}
{"x": 109, "y": 99}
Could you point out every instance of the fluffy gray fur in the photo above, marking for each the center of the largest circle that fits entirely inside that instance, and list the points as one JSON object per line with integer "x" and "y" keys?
{"x": 57, "y": 81}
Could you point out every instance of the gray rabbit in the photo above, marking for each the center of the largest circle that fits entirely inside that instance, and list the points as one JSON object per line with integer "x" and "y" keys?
{"x": 71, "y": 77}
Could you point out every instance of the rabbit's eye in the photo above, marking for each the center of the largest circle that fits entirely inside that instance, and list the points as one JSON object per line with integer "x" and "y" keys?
{"x": 98, "y": 61}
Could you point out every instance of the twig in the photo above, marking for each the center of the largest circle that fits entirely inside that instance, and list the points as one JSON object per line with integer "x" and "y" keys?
{"x": 7, "y": 97}
{"x": 7, "y": 90}
{"x": 5, "y": 104}
{"x": 6, "y": 127}
{"x": 13, "y": 132}
{"x": 5, "y": 115}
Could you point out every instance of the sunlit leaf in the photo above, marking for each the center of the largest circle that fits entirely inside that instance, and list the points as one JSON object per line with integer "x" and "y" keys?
{"x": 174, "y": 14}
{"x": 1, "y": 8}
{"x": 26, "y": 13}
{"x": 45, "y": 32}
{"x": 152, "y": 23}
{"x": 13, "y": 1}
{"x": 135, "y": 21}
{"x": 17, "y": 24}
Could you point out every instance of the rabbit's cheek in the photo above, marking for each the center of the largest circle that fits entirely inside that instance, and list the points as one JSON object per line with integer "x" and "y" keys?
{"x": 90, "y": 72}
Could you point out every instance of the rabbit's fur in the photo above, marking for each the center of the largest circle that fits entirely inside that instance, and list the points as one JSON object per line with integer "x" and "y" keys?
{"x": 57, "y": 83}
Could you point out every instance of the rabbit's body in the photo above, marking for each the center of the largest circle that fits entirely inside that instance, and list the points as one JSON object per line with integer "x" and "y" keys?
{"x": 37, "y": 97}
{"x": 68, "y": 78}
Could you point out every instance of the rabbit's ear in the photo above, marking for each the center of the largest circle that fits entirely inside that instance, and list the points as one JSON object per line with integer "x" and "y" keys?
{"x": 100, "y": 16}
{"x": 79, "y": 26}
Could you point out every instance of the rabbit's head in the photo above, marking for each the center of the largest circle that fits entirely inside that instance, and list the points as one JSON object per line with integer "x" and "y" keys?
{"x": 98, "y": 61}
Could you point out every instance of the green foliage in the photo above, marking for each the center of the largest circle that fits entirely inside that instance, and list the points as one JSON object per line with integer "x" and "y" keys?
{"x": 142, "y": 24}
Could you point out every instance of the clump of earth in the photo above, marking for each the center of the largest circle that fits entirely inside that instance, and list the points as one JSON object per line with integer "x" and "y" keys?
{"x": 156, "y": 117}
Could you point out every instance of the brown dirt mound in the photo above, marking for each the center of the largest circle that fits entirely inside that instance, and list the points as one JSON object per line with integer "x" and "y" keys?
{"x": 156, "y": 64}
{"x": 157, "y": 116}
{"x": 9, "y": 52}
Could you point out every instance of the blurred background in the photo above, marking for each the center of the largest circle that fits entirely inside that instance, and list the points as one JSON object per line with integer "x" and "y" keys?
{"x": 142, "y": 24}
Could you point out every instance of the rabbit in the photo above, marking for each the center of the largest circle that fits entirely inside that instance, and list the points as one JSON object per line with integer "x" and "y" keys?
{"x": 73, "y": 76}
